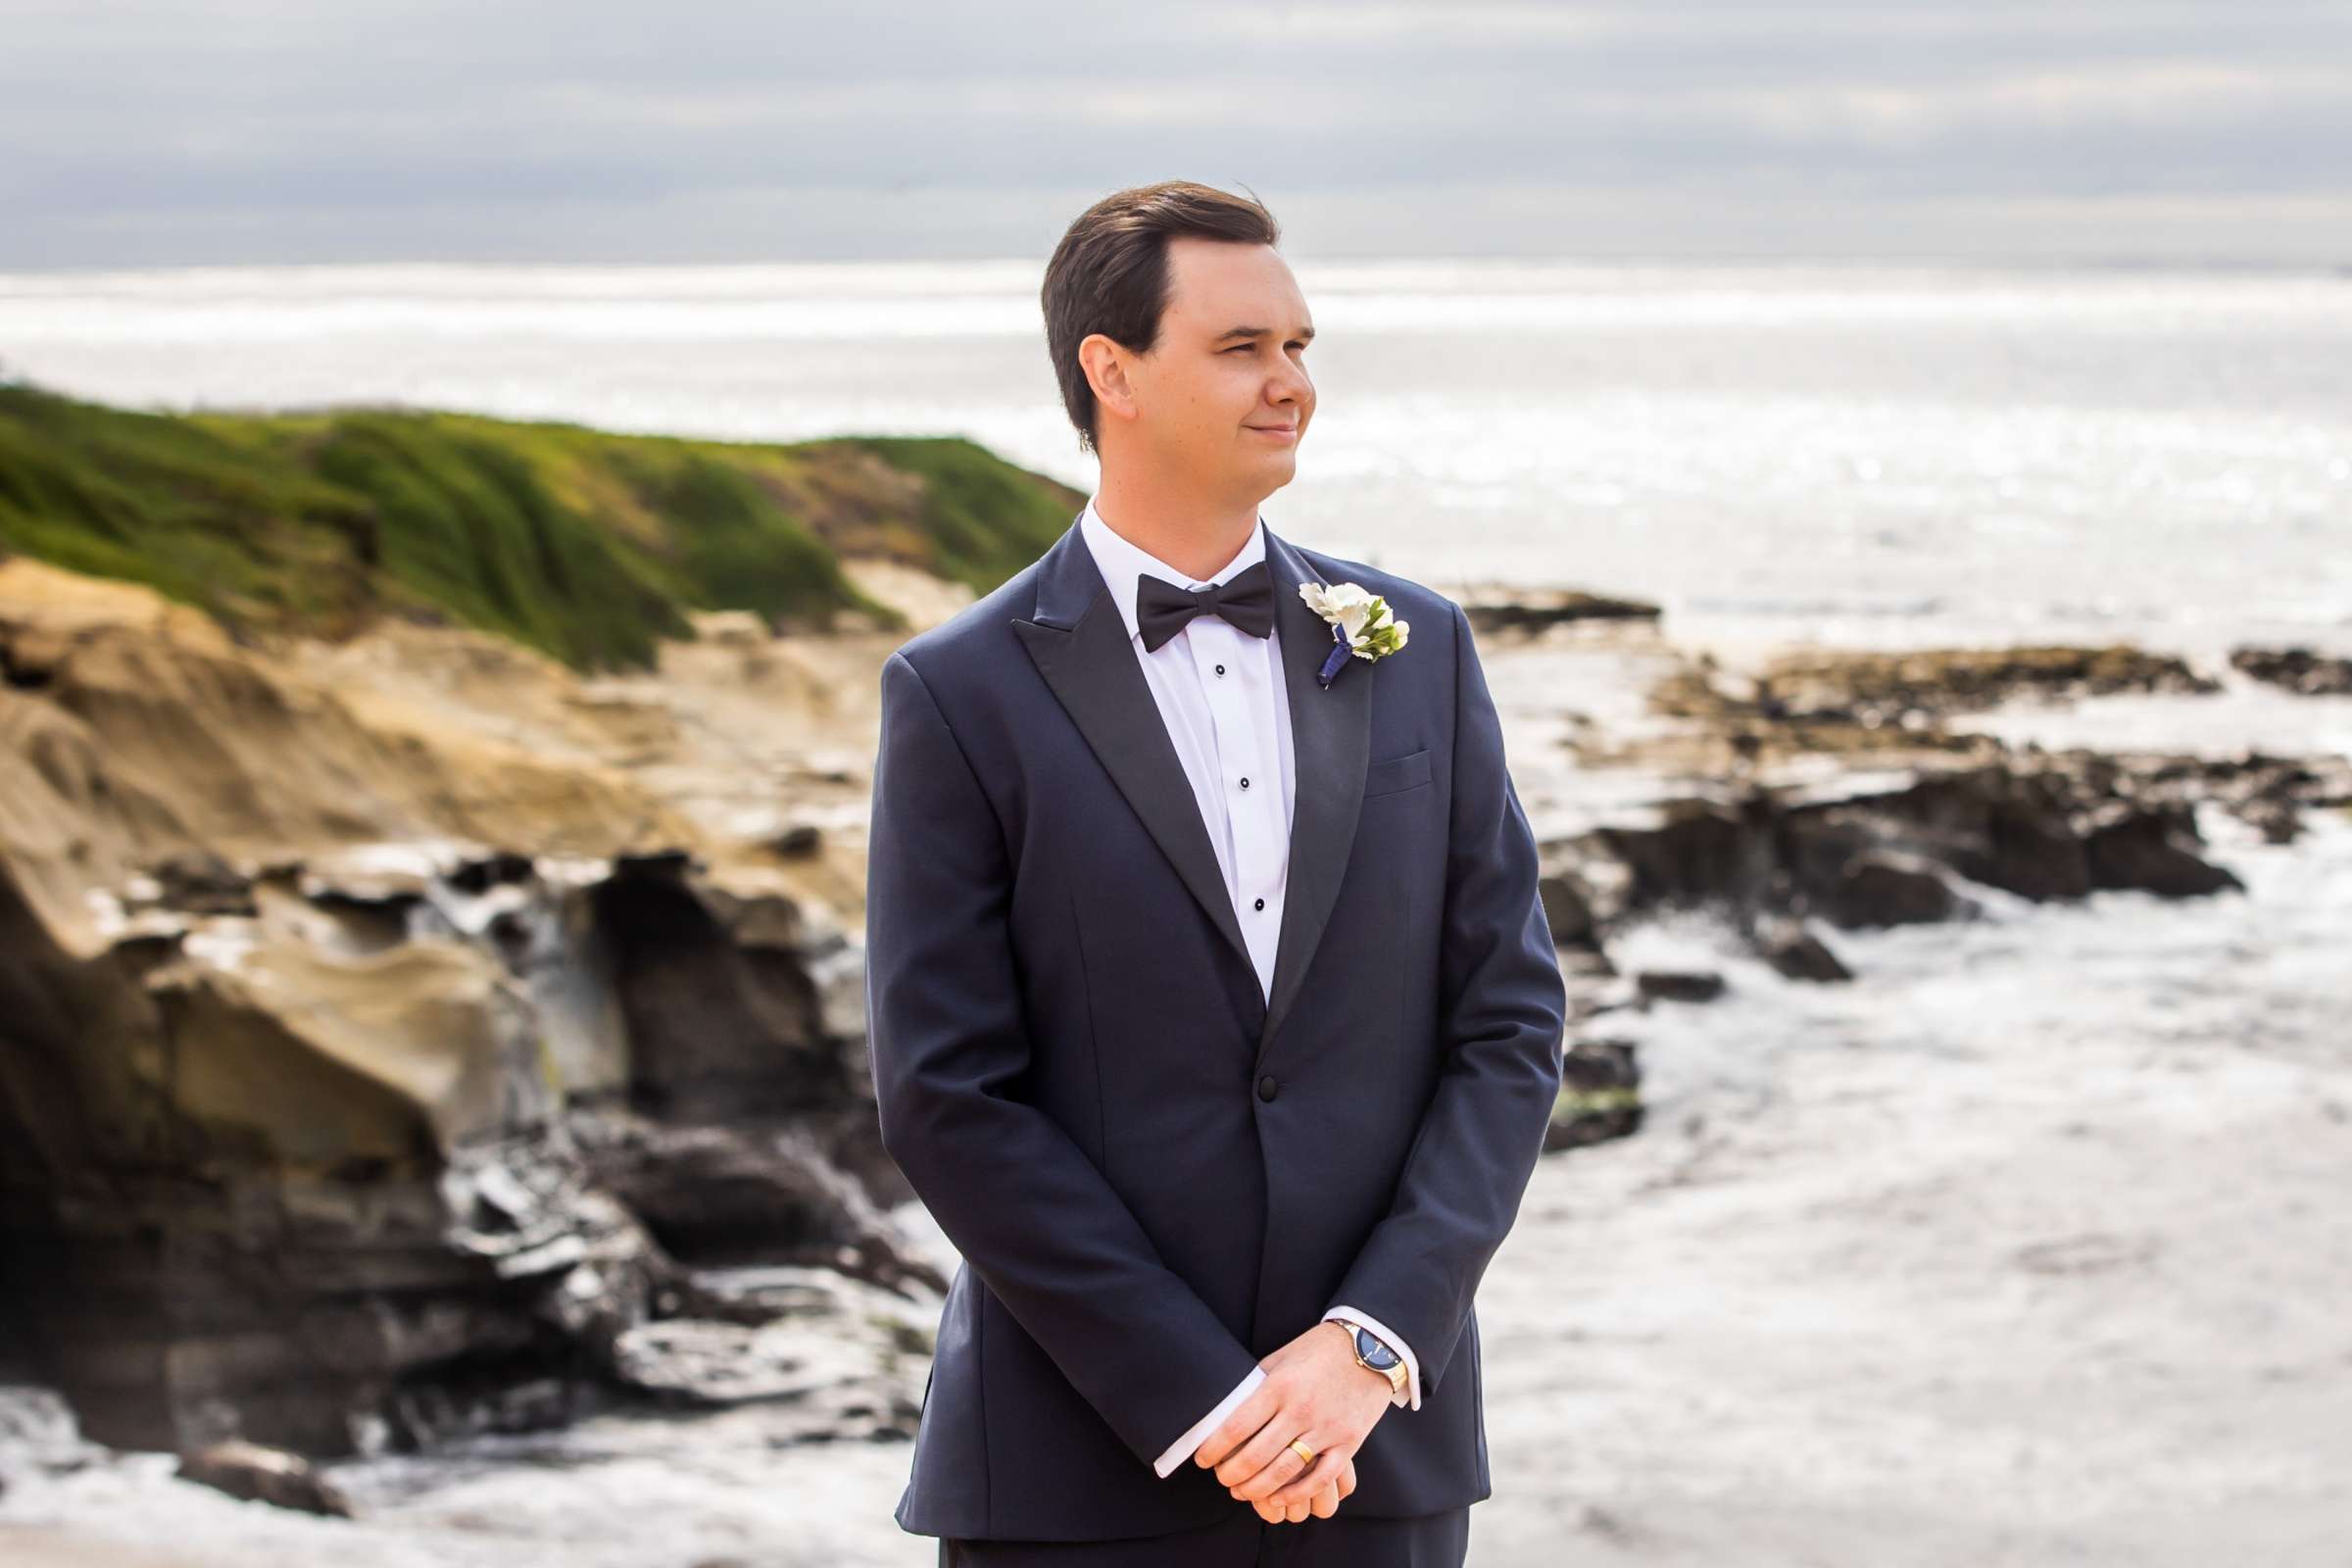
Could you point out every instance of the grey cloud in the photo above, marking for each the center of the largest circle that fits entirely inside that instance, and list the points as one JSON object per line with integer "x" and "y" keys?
{"x": 158, "y": 132}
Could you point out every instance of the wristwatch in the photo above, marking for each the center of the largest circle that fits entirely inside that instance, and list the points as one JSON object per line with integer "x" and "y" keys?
{"x": 1372, "y": 1353}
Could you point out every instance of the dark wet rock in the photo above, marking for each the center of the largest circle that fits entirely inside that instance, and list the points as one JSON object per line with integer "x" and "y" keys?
{"x": 1898, "y": 848}
{"x": 1568, "y": 908}
{"x": 735, "y": 1002}
{"x": 848, "y": 1362}
{"x": 1679, "y": 985}
{"x": 485, "y": 1396}
{"x": 801, "y": 841}
{"x": 339, "y": 1179}
{"x": 2153, "y": 849}
{"x": 2268, "y": 793}
{"x": 766, "y": 1190}
{"x": 257, "y": 1474}
{"x": 478, "y": 876}
{"x": 1795, "y": 952}
{"x": 2003, "y": 826}
{"x": 1885, "y": 887}
{"x": 1685, "y": 851}
{"x": 199, "y": 882}
{"x": 2299, "y": 669}
{"x": 1865, "y": 684}
{"x": 1600, "y": 1095}
{"x": 1527, "y": 612}
{"x": 758, "y": 1294}
{"x": 1882, "y": 848}
{"x": 307, "y": 1314}
{"x": 2278, "y": 821}
{"x": 854, "y": 1357}
{"x": 1584, "y": 966}
{"x": 2027, "y": 830}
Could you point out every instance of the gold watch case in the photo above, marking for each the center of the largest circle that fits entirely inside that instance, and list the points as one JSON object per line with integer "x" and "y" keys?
{"x": 1397, "y": 1379}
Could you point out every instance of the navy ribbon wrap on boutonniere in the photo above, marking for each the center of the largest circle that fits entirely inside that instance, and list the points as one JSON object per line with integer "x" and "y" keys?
{"x": 1361, "y": 625}
{"x": 1335, "y": 659}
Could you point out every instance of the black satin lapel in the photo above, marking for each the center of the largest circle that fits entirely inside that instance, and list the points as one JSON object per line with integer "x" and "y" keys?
{"x": 1092, "y": 671}
{"x": 1331, "y": 734}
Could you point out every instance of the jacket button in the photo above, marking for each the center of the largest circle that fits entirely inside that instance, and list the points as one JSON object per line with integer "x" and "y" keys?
{"x": 1265, "y": 1088}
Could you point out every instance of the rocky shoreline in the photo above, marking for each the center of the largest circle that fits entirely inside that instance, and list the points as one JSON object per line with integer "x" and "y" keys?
{"x": 1829, "y": 789}
{"x": 339, "y": 1145}
{"x": 411, "y": 1039}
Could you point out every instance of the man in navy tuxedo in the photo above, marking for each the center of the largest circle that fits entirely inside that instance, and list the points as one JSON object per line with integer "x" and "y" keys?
{"x": 1213, "y": 1009}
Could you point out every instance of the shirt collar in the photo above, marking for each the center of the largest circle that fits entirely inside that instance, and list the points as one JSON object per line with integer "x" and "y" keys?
{"x": 1121, "y": 561}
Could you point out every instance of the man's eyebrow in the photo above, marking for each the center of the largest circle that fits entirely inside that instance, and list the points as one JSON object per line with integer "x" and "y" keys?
{"x": 1307, "y": 333}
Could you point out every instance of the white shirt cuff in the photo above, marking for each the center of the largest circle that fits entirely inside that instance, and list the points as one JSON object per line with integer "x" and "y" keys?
{"x": 1182, "y": 1448}
{"x": 1411, "y": 1394}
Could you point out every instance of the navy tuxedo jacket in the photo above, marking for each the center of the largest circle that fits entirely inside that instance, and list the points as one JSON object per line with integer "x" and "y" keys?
{"x": 1156, "y": 1174}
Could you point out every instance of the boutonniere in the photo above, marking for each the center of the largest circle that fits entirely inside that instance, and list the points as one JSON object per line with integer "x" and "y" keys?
{"x": 1361, "y": 624}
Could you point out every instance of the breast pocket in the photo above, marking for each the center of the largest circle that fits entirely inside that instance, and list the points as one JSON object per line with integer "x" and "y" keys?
{"x": 1389, "y": 775}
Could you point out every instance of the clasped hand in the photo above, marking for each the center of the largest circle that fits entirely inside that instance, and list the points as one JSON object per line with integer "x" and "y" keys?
{"x": 1314, "y": 1390}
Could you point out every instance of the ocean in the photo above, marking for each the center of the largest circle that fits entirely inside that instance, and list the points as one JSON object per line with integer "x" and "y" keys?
{"x": 1856, "y": 453}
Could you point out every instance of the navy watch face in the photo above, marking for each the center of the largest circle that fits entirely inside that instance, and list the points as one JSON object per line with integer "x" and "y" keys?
{"x": 1376, "y": 1354}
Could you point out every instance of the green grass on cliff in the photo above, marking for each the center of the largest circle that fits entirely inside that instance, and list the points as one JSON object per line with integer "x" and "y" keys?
{"x": 587, "y": 545}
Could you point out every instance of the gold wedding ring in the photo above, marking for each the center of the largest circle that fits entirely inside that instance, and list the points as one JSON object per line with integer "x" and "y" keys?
{"x": 1304, "y": 1451}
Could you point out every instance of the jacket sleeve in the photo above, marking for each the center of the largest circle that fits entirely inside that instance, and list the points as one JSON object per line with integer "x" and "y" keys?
{"x": 1503, "y": 1011}
{"x": 1032, "y": 1216}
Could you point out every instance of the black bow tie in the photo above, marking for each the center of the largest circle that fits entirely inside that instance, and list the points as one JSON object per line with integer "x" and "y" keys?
{"x": 1245, "y": 599}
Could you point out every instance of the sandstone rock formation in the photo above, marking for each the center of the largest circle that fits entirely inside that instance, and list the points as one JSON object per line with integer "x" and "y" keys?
{"x": 335, "y": 1045}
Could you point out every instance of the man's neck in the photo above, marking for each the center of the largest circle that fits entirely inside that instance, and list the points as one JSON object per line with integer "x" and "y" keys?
{"x": 1194, "y": 536}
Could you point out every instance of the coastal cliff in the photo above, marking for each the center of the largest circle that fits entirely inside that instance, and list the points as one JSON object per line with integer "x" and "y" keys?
{"x": 425, "y": 939}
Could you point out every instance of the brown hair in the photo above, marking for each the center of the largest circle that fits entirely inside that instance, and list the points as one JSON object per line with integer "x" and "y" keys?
{"x": 1109, "y": 274}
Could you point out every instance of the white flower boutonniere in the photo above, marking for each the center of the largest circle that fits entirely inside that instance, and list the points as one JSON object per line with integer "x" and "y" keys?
{"x": 1361, "y": 624}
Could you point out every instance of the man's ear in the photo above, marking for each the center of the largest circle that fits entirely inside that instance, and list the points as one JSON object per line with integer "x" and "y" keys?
{"x": 1106, "y": 366}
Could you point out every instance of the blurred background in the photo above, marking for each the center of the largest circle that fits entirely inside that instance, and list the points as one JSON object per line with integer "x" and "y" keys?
{"x": 463, "y": 467}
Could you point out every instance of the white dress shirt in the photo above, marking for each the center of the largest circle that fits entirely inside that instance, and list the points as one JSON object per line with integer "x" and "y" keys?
{"x": 1221, "y": 695}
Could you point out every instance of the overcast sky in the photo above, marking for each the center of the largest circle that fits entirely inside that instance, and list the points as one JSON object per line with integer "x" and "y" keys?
{"x": 313, "y": 131}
